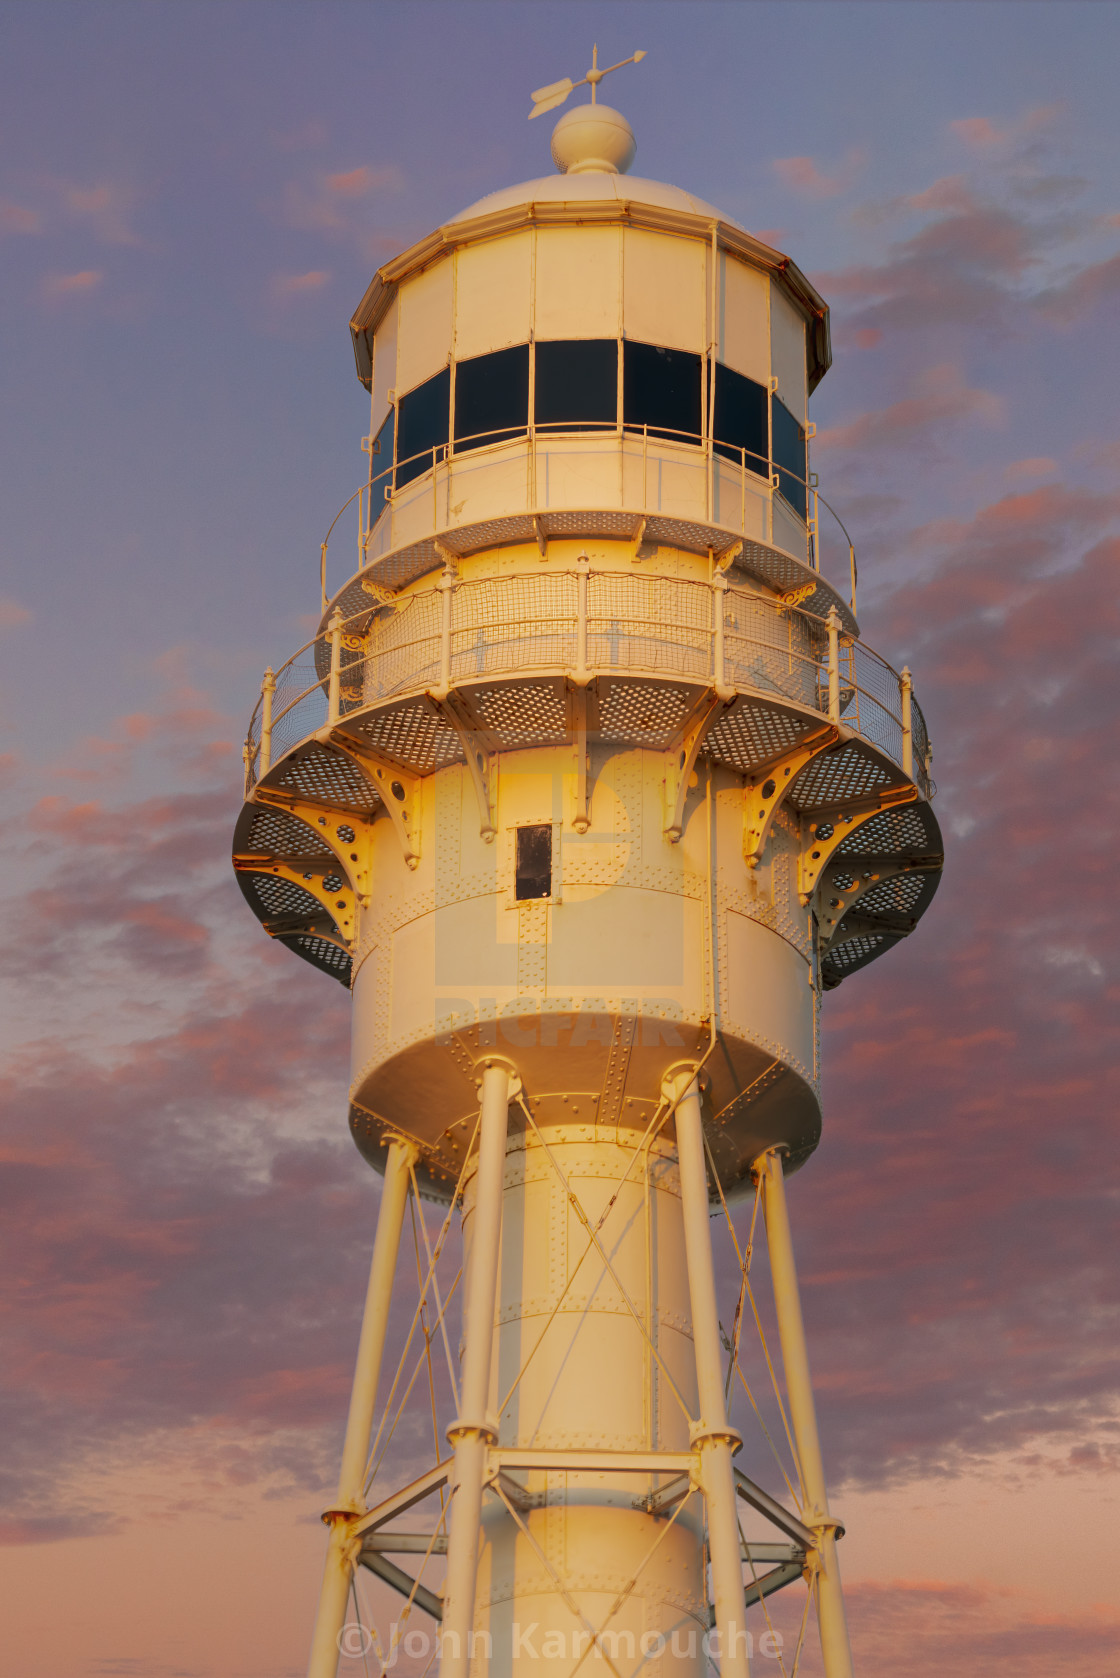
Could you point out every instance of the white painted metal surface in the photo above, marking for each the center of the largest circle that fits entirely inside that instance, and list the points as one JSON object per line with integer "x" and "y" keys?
{"x": 611, "y": 652}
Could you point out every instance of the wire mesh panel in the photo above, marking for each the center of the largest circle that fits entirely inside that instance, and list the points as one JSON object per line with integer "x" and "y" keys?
{"x": 404, "y": 646}
{"x": 643, "y": 622}
{"x": 299, "y": 705}
{"x": 922, "y": 748}
{"x": 875, "y": 707}
{"x": 771, "y": 649}
{"x": 513, "y": 623}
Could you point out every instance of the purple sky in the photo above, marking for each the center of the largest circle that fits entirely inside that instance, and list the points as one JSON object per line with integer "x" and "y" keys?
{"x": 192, "y": 200}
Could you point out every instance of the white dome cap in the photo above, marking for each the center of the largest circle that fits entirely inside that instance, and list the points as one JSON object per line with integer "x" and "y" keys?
{"x": 593, "y": 139}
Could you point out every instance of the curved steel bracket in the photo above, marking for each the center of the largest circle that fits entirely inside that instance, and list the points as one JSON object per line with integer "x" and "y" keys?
{"x": 478, "y": 747}
{"x": 683, "y": 752}
{"x": 767, "y": 787}
{"x": 824, "y": 831}
{"x": 324, "y": 820}
{"x": 836, "y": 902}
{"x": 397, "y": 788}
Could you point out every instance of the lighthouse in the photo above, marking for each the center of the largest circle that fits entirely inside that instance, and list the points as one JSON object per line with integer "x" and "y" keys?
{"x": 589, "y": 790}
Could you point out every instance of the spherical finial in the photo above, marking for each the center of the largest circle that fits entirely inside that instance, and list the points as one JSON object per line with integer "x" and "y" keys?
{"x": 593, "y": 139}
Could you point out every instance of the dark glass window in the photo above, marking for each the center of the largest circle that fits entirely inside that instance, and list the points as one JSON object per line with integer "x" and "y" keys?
{"x": 576, "y": 384}
{"x": 789, "y": 455}
{"x": 533, "y": 876}
{"x": 740, "y": 420}
{"x": 381, "y": 461}
{"x": 491, "y": 397}
{"x": 422, "y": 420}
{"x": 661, "y": 390}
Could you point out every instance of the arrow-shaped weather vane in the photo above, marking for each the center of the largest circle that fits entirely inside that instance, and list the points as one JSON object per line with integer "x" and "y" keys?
{"x": 547, "y": 98}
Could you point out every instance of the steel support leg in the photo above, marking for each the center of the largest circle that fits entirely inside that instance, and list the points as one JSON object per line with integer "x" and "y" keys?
{"x": 835, "y": 1647}
{"x": 716, "y": 1440}
{"x": 473, "y": 1432}
{"x": 341, "y": 1548}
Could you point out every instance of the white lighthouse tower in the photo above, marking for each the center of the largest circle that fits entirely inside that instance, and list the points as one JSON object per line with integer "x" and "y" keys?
{"x": 588, "y": 788}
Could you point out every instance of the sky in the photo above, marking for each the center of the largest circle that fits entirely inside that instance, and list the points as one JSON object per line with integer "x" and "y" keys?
{"x": 193, "y": 198}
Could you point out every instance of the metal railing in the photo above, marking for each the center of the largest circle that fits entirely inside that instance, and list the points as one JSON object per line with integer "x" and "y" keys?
{"x": 587, "y": 623}
{"x": 751, "y": 475}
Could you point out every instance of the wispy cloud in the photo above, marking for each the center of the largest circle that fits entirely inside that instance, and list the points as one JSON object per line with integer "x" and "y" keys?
{"x": 70, "y": 285}
{"x": 12, "y": 614}
{"x": 18, "y": 218}
{"x": 286, "y": 286}
{"x": 985, "y": 134}
{"x": 804, "y": 176}
{"x": 940, "y": 397}
{"x": 337, "y": 202}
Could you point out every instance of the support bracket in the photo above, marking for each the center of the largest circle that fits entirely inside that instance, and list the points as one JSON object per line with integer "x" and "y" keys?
{"x": 582, "y": 705}
{"x": 836, "y": 901}
{"x": 397, "y": 788}
{"x": 311, "y": 875}
{"x": 294, "y": 926}
{"x": 478, "y": 747}
{"x": 764, "y": 792}
{"x": 348, "y": 834}
{"x": 825, "y": 830}
{"x": 682, "y": 753}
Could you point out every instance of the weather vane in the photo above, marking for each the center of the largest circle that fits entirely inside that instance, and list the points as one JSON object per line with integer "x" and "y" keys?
{"x": 547, "y": 98}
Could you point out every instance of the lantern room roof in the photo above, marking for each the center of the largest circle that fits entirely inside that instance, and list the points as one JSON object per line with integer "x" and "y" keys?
{"x": 594, "y": 187}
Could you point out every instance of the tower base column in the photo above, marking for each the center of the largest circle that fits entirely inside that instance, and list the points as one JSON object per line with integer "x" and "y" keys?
{"x": 338, "y": 1573}
{"x": 836, "y": 1649}
{"x": 715, "y": 1438}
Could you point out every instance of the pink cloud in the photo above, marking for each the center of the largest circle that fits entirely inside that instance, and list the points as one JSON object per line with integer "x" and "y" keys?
{"x": 337, "y": 202}
{"x": 69, "y": 285}
{"x": 801, "y": 174}
{"x": 15, "y": 218}
{"x": 105, "y": 206}
{"x": 982, "y": 134}
{"x": 1037, "y": 466}
{"x": 285, "y": 286}
{"x": 12, "y": 614}
{"x": 941, "y": 397}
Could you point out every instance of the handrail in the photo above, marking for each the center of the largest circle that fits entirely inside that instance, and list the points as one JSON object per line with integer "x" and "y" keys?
{"x": 767, "y": 479}
{"x": 589, "y": 623}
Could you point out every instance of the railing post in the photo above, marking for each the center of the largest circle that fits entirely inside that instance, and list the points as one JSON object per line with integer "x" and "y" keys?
{"x": 906, "y": 694}
{"x": 447, "y": 589}
{"x": 853, "y": 574}
{"x": 719, "y": 659}
{"x": 583, "y": 568}
{"x": 833, "y": 664}
{"x": 268, "y": 688}
{"x": 323, "y": 574}
{"x": 334, "y": 629}
{"x": 247, "y": 765}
